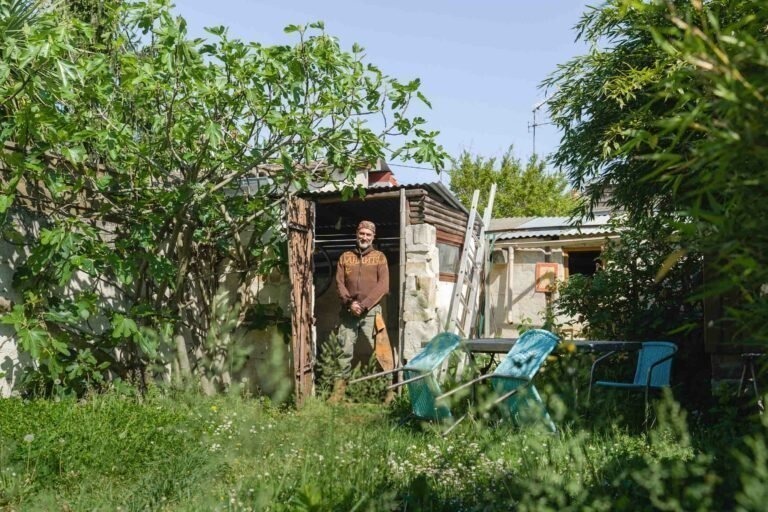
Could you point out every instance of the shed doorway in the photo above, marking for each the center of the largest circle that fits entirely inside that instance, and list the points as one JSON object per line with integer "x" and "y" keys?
{"x": 335, "y": 228}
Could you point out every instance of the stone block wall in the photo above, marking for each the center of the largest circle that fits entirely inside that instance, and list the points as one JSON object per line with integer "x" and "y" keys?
{"x": 422, "y": 271}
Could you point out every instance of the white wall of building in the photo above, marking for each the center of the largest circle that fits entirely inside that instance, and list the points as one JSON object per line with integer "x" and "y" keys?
{"x": 9, "y": 355}
{"x": 11, "y": 255}
{"x": 513, "y": 299}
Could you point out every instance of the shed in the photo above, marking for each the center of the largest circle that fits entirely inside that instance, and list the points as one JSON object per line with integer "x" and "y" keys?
{"x": 420, "y": 228}
{"x": 527, "y": 255}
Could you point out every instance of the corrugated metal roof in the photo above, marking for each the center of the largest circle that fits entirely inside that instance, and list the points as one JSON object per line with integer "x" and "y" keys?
{"x": 554, "y": 233}
{"x": 507, "y": 223}
{"x": 552, "y": 222}
{"x": 541, "y": 227}
{"x": 435, "y": 188}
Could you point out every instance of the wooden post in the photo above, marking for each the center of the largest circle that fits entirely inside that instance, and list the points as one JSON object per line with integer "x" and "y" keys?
{"x": 301, "y": 220}
{"x": 404, "y": 211}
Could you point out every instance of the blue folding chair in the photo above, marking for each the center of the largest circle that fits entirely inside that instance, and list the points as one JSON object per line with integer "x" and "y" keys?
{"x": 421, "y": 376}
{"x": 512, "y": 380}
{"x": 654, "y": 369}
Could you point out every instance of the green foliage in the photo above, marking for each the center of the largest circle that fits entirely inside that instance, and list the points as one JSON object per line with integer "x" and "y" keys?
{"x": 329, "y": 370}
{"x": 645, "y": 290}
{"x": 522, "y": 190}
{"x": 187, "y": 452}
{"x": 131, "y": 179}
{"x": 602, "y": 95}
{"x": 329, "y": 366}
{"x": 639, "y": 293}
{"x": 754, "y": 483}
{"x": 667, "y": 112}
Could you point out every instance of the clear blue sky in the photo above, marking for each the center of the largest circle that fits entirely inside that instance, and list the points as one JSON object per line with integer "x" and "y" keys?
{"x": 480, "y": 62}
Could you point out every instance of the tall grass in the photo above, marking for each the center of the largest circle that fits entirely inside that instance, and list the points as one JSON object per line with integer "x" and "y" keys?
{"x": 188, "y": 452}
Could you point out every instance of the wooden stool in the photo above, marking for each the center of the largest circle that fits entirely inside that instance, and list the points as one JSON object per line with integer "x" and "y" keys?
{"x": 748, "y": 363}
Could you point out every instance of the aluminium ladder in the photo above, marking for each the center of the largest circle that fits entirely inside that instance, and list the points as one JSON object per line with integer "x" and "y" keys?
{"x": 462, "y": 312}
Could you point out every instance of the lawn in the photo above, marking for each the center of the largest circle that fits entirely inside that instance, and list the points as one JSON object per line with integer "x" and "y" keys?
{"x": 183, "y": 451}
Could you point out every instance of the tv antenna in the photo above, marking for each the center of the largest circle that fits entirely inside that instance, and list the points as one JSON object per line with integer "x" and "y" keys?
{"x": 532, "y": 126}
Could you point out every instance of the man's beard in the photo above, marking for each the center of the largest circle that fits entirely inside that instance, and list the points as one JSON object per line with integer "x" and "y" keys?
{"x": 363, "y": 245}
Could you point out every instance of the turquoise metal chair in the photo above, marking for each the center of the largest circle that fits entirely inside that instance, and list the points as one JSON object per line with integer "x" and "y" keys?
{"x": 421, "y": 375}
{"x": 512, "y": 380}
{"x": 654, "y": 369}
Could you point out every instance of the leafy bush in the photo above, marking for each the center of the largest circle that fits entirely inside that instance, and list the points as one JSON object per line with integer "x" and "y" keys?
{"x": 665, "y": 114}
{"x": 645, "y": 290}
{"x": 640, "y": 293}
{"x": 151, "y": 133}
{"x": 329, "y": 370}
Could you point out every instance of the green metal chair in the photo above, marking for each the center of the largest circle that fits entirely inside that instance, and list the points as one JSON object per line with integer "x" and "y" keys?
{"x": 421, "y": 375}
{"x": 654, "y": 369}
{"x": 512, "y": 380}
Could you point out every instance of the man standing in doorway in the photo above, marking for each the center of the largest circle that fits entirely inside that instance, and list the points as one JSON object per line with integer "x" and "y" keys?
{"x": 362, "y": 279}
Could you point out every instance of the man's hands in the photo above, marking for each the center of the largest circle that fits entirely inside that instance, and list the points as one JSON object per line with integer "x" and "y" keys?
{"x": 356, "y": 308}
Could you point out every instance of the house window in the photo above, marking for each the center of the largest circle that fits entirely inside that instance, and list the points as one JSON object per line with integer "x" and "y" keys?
{"x": 449, "y": 261}
{"x": 584, "y": 262}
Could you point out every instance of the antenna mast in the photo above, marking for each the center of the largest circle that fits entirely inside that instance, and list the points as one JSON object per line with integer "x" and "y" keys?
{"x": 532, "y": 126}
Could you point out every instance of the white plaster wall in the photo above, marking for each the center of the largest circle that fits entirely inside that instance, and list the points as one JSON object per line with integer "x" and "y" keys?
{"x": 260, "y": 346}
{"x": 10, "y": 365}
{"x": 522, "y": 304}
{"x": 267, "y": 369}
{"x": 496, "y": 294}
{"x": 267, "y": 361}
{"x": 12, "y": 361}
{"x": 444, "y": 293}
{"x": 12, "y": 255}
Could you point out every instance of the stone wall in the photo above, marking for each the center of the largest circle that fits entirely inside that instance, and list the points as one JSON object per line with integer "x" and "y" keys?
{"x": 421, "y": 315}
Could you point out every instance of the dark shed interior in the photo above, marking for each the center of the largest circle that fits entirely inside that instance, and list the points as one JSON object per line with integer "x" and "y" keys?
{"x": 335, "y": 225}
